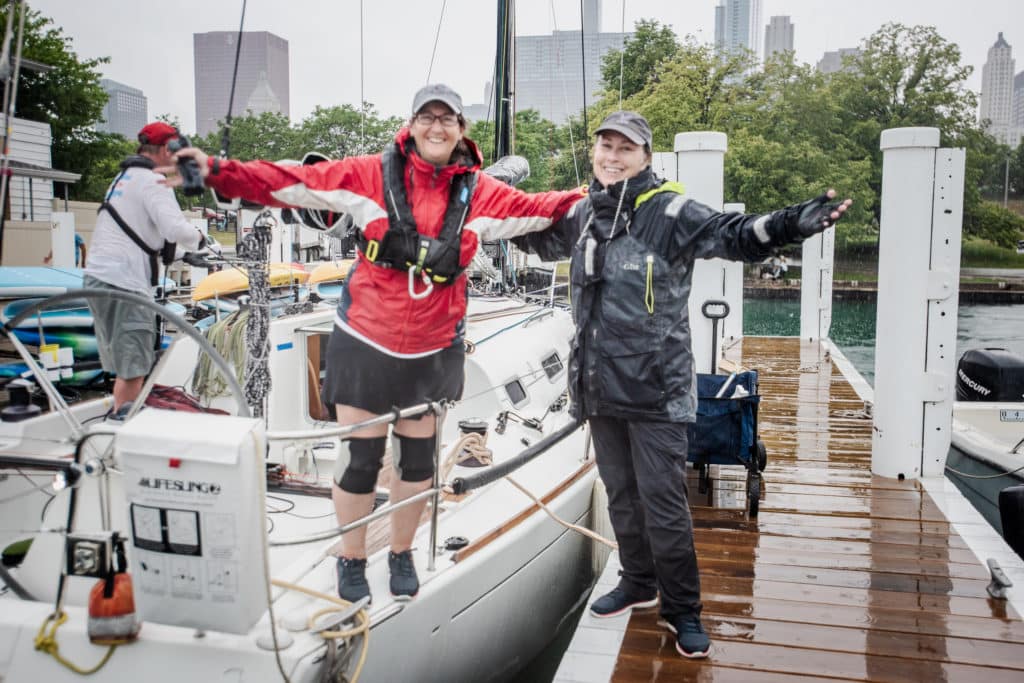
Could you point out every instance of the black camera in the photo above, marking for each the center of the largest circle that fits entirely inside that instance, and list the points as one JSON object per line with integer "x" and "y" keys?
{"x": 188, "y": 169}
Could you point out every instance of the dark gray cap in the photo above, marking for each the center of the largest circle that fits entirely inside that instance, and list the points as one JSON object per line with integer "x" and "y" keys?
{"x": 630, "y": 124}
{"x": 437, "y": 92}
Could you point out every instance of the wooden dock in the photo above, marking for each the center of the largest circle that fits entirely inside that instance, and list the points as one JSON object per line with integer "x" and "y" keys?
{"x": 843, "y": 576}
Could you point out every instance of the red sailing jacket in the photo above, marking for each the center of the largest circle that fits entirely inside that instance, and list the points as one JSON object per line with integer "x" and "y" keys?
{"x": 375, "y": 305}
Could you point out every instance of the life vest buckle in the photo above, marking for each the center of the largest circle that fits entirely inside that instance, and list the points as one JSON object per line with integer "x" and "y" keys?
{"x": 372, "y": 250}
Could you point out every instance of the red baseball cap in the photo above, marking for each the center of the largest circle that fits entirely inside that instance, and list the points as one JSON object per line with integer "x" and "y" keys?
{"x": 157, "y": 133}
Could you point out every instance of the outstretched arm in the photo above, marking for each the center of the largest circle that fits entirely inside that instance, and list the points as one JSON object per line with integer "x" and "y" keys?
{"x": 341, "y": 186}
{"x": 750, "y": 237}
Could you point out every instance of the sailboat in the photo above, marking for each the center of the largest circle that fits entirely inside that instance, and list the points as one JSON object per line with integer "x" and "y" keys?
{"x": 223, "y": 526}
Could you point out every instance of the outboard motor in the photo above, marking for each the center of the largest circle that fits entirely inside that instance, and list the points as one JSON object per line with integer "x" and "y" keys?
{"x": 990, "y": 375}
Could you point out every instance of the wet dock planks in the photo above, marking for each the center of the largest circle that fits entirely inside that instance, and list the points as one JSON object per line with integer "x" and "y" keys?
{"x": 843, "y": 576}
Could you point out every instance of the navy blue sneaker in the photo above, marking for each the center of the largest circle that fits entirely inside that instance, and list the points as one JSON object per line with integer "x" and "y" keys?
{"x": 352, "y": 584}
{"x": 404, "y": 583}
{"x": 619, "y": 601}
{"x": 692, "y": 641}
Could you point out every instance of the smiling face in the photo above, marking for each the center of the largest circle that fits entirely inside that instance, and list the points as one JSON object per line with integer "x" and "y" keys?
{"x": 616, "y": 158}
{"x": 435, "y": 141}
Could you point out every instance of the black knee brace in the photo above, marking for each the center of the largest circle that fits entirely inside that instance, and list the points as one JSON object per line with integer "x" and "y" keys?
{"x": 355, "y": 470}
{"x": 413, "y": 457}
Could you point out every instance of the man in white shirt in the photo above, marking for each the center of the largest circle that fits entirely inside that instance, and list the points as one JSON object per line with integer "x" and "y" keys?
{"x": 139, "y": 215}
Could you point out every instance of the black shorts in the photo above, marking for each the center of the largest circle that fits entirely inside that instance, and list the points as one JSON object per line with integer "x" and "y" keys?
{"x": 361, "y": 376}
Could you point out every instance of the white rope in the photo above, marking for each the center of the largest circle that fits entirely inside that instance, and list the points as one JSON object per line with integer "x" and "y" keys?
{"x": 474, "y": 445}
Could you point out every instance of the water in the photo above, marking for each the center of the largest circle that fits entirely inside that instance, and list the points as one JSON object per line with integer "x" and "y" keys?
{"x": 853, "y": 327}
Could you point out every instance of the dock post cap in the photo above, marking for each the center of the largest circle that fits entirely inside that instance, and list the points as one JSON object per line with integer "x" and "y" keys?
{"x": 896, "y": 138}
{"x": 701, "y": 141}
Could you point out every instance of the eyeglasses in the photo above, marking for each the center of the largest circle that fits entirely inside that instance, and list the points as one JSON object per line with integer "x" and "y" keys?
{"x": 427, "y": 119}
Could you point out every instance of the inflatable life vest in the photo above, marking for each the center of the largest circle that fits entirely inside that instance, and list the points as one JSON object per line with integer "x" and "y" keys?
{"x": 402, "y": 246}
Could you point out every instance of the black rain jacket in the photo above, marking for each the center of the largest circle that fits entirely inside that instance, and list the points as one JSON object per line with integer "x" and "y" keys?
{"x": 633, "y": 247}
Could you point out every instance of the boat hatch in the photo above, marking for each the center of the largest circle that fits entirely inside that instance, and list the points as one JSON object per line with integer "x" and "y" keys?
{"x": 316, "y": 337}
{"x": 516, "y": 392}
{"x": 552, "y": 365}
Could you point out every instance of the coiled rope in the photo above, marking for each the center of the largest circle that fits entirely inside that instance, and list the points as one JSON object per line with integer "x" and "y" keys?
{"x": 227, "y": 336}
{"x": 47, "y": 643}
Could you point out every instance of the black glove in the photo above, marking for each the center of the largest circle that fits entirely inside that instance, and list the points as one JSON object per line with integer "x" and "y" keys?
{"x": 200, "y": 259}
{"x": 797, "y": 223}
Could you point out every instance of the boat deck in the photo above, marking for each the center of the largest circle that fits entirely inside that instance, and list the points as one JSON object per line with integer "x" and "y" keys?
{"x": 844, "y": 575}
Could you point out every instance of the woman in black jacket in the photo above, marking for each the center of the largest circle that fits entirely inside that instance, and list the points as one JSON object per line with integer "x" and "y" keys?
{"x": 633, "y": 242}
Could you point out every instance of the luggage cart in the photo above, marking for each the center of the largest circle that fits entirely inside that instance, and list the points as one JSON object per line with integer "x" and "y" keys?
{"x": 725, "y": 432}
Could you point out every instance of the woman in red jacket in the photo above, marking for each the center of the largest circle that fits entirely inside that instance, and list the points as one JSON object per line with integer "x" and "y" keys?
{"x": 423, "y": 207}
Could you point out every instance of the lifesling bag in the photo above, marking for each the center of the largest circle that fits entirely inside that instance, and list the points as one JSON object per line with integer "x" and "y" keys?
{"x": 404, "y": 248}
{"x": 167, "y": 252}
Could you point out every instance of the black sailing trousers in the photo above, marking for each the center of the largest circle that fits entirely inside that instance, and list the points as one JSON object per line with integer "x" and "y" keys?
{"x": 643, "y": 467}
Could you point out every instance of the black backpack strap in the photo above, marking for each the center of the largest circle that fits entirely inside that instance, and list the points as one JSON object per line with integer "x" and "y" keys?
{"x": 150, "y": 251}
{"x": 105, "y": 205}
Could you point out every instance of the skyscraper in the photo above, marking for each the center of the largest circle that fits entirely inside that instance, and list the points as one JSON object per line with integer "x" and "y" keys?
{"x": 738, "y": 25}
{"x": 1018, "y": 100}
{"x": 125, "y": 112}
{"x": 550, "y": 69}
{"x": 832, "y": 61}
{"x": 778, "y": 36}
{"x": 262, "y": 84}
{"x": 997, "y": 91}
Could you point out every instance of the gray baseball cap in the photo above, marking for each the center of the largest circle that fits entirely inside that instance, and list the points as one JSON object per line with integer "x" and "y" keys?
{"x": 630, "y": 124}
{"x": 437, "y": 92}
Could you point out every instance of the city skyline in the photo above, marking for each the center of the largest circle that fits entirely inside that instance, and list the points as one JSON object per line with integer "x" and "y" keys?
{"x": 154, "y": 55}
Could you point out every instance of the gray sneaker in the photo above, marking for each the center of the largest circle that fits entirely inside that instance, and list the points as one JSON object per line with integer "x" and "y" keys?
{"x": 619, "y": 601}
{"x": 404, "y": 583}
{"x": 692, "y": 641}
{"x": 352, "y": 584}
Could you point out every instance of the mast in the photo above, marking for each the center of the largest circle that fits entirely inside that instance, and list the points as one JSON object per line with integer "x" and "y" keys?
{"x": 504, "y": 67}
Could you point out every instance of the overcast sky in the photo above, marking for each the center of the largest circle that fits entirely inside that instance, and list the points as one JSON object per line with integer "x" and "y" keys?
{"x": 150, "y": 43}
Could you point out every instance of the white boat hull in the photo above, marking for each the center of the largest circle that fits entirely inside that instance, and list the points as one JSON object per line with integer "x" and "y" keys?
{"x": 481, "y": 614}
{"x": 981, "y": 462}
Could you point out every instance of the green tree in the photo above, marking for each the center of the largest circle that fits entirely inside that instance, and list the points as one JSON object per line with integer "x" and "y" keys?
{"x": 994, "y": 223}
{"x": 536, "y": 139}
{"x": 787, "y": 143}
{"x": 100, "y": 155}
{"x": 698, "y": 89}
{"x": 346, "y": 131}
{"x": 269, "y": 135}
{"x": 570, "y": 161}
{"x": 909, "y": 76}
{"x": 629, "y": 70}
{"x": 68, "y": 97}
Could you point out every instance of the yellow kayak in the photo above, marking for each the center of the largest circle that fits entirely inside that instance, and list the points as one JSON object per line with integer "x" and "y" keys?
{"x": 235, "y": 280}
{"x": 332, "y": 271}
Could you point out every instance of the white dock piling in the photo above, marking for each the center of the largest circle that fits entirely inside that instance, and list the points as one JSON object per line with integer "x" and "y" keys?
{"x": 816, "y": 286}
{"x": 918, "y": 288}
{"x": 700, "y": 161}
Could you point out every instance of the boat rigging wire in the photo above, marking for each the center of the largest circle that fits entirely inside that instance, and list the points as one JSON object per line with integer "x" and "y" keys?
{"x": 583, "y": 72}
{"x": 10, "y": 101}
{"x": 437, "y": 36}
{"x": 622, "y": 50}
{"x": 362, "y": 96}
{"x": 225, "y": 136}
{"x": 565, "y": 97}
